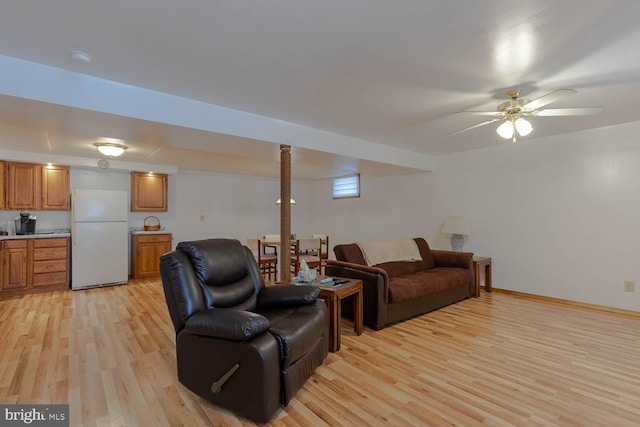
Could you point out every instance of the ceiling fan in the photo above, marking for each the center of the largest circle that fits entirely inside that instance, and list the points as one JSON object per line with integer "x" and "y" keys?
{"x": 512, "y": 112}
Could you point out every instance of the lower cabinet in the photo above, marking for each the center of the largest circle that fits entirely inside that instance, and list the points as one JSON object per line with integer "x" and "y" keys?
{"x": 145, "y": 253}
{"x": 50, "y": 262}
{"x": 30, "y": 265}
{"x": 15, "y": 257}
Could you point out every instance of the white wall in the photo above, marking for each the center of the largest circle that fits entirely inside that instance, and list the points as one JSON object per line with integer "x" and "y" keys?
{"x": 233, "y": 207}
{"x": 387, "y": 208}
{"x": 559, "y": 216}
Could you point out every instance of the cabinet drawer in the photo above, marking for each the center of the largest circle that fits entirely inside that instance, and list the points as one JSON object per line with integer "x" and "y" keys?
{"x": 49, "y": 253}
{"x": 15, "y": 244}
{"x": 153, "y": 238}
{"x": 50, "y": 266}
{"x": 44, "y": 279}
{"x": 50, "y": 243}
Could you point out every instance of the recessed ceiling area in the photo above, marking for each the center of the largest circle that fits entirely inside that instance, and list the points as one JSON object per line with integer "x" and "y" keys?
{"x": 218, "y": 86}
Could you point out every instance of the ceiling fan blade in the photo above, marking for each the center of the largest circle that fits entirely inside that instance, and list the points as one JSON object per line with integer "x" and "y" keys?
{"x": 554, "y": 96}
{"x": 586, "y": 111}
{"x": 476, "y": 126}
{"x": 481, "y": 113}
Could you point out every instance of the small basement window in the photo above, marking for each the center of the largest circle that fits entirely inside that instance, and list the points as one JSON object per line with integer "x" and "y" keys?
{"x": 347, "y": 186}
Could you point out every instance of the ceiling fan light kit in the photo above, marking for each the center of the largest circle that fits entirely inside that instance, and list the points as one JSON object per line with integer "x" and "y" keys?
{"x": 512, "y": 112}
{"x": 507, "y": 129}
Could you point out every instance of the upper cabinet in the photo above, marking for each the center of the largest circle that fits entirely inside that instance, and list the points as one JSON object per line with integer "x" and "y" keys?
{"x": 148, "y": 192}
{"x": 55, "y": 188}
{"x": 3, "y": 202}
{"x": 31, "y": 186}
{"x": 23, "y": 186}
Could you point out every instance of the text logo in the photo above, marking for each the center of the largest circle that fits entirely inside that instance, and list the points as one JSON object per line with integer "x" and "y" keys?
{"x": 36, "y": 415}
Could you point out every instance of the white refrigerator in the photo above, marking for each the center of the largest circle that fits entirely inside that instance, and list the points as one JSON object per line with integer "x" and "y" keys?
{"x": 99, "y": 237}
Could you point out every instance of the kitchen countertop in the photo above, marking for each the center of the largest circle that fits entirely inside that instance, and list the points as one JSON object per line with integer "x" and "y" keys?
{"x": 150, "y": 232}
{"x": 35, "y": 236}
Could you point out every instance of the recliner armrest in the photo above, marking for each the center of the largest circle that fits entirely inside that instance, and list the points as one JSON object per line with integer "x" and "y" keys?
{"x": 235, "y": 325}
{"x": 287, "y": 295}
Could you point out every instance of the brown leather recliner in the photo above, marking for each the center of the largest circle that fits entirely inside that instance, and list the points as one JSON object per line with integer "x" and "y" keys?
{"x": 240, "y": 345}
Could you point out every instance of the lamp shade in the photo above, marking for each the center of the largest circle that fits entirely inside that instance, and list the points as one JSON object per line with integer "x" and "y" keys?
{"x": 505, "y": 130}
{"x": 523, "y": 127}
{"x": 291, "y": 202}
{"x": 509, "y": 127}
{"x": 456, "y": 225}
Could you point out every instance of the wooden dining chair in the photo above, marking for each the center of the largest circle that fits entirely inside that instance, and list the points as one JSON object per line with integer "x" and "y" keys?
{"x": 324, "y": 247}
{"x": 307, "y": 250}
{"x": 273, "y": 249}
{"x": 268, "y": 263}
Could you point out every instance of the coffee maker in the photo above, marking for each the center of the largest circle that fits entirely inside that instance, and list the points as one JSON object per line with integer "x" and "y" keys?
{"x": 25, "y": 224}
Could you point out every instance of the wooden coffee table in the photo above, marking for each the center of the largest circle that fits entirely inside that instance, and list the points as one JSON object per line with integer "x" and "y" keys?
{"x": 333, "y": 296}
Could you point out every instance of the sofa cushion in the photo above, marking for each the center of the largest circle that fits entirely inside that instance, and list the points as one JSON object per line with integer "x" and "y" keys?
{"x": 425, "y": 252}
{"x": 400, "y": 268}
{"x": 381, "y": 251}
{"x": 352, "y": 253}
{"x": 349, "y": 253}
{"x": 427, "y": 282}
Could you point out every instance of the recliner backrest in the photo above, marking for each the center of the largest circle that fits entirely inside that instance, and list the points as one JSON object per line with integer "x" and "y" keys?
{"x": 181, "y": 288}
{"x": 223, "y": 272}
{"x": 213, "y": 273}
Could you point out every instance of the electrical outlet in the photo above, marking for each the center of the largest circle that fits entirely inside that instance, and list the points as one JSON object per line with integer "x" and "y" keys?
{"x": 629, "y": 286}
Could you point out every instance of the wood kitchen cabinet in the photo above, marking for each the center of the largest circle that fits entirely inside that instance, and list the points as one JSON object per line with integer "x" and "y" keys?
{"x": 23, "y": 186}
{"x": 3, "y": 201}
{"x": 32, "y": 186}
{"x": 145, "y": 253}
{"x": 33, "y": 265}
{"x": 56, "y": 194}
{"x": 50, "y": 259}
{"x": 149, "y": 192}
{"x": 15, "y": 257}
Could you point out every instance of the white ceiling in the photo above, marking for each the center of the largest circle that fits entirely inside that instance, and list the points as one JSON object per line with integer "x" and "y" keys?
{"x": 340, "y": 81}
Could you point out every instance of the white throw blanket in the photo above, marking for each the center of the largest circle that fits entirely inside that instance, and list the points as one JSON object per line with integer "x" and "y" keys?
{"x": 379, "y": 251}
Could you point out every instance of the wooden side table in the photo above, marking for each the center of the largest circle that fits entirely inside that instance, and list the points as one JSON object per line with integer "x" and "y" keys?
{"x": 333, "y": 297}
{"x": 478, "y": 263}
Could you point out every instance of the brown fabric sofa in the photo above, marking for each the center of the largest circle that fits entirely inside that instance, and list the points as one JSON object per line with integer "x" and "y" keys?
{"x": 398, "y": 290}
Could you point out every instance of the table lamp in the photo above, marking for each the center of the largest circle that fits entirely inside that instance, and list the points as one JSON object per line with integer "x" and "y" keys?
{"x": 458, "y": 228}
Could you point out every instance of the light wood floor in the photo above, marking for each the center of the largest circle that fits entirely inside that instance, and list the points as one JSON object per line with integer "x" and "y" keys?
{"x": 498, "y": 360}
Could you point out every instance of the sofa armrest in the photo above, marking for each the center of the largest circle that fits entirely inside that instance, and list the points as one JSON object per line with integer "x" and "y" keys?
{"x": 358, "y": 267}
{"x": 453, "y": 259}
{"x": 235, "y": 325}
{"x": 287, "y": 295}
{"x": 375, "y": 288}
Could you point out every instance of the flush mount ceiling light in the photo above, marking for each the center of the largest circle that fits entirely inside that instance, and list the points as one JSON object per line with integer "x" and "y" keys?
{"x": 110, "y": 149}
{"x": 81, "y": 57}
